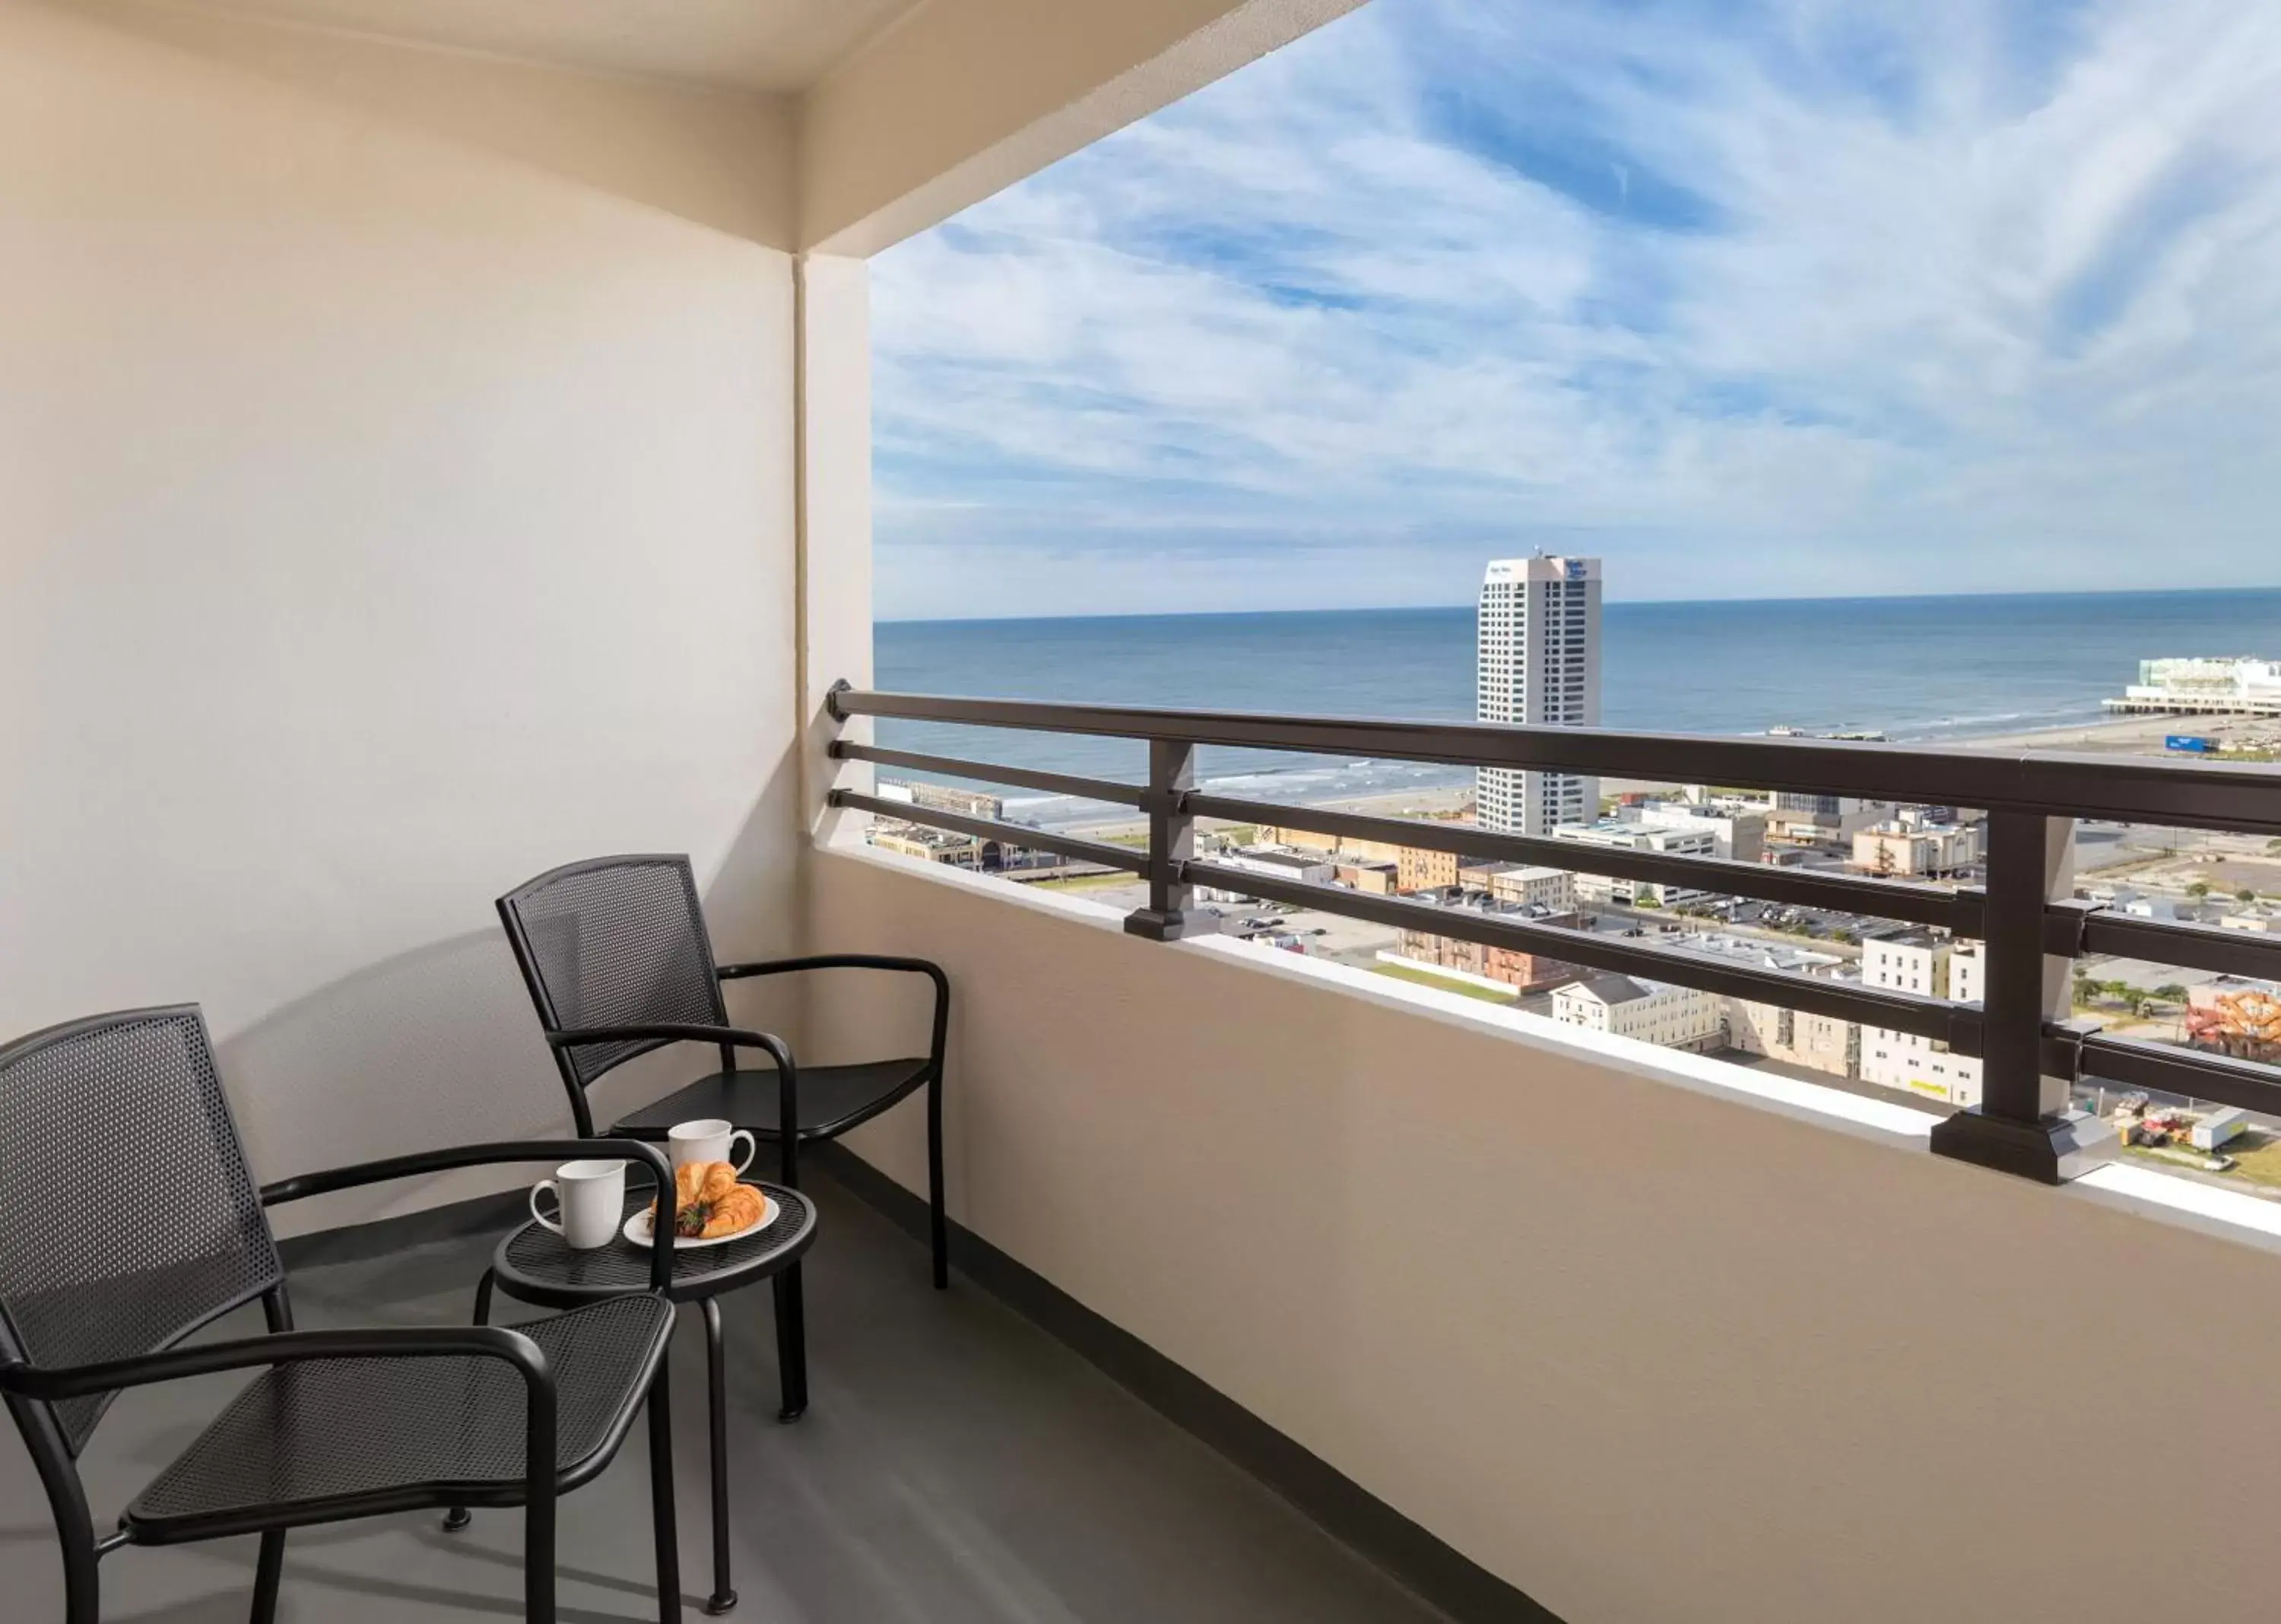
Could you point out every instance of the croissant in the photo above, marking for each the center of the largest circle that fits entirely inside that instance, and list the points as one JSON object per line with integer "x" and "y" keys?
{"x": 740, "y": 1208}
{"x": 708, "y": 1202}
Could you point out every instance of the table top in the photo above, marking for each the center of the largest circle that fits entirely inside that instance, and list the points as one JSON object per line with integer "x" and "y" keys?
{"x": 538, "y": 1265}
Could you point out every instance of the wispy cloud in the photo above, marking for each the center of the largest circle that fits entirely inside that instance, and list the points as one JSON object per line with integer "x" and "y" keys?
{"x": 1797, "y": 297}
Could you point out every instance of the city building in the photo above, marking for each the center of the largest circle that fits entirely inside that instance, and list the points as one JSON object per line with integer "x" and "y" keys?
{"x": 1816, "y": 1042}
{"x": 1811, "y": 820}
{"x": 2227, "y": 687}
{"x": 1538, "y": 662}
{"x": 1681, "y": 1017}
{"x": 1372, "y": 875}
{"x": 1917, "y": 961}
{"x": 1417, "y": 868}
{"x": 959, "y": 851}
{"x": 2237, "y": 1017}
{"x": 1912, "y": 847}
{"x": 1312, "y": 868}
{"x": 944, "y": 798}
{"x": 1737, "y": 831}
{"x": 1525, "y": 972}
{"x": 1525, "y": 885}
{"x": 1683, "y": 842}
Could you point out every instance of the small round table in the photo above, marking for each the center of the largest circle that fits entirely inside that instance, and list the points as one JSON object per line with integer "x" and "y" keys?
{"x": 534, "y": 1264}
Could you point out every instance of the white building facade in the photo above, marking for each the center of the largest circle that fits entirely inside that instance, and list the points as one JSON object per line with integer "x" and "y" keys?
{"x": 1681, "y": 1017}
{"x": 1538, "y": 662}
{"x": 1902, "y": 1059}
{"x": 1682, "y": 842}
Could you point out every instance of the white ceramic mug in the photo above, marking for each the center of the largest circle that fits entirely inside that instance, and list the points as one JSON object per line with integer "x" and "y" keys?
{"x": 591, "y": 1196}
{"x": 711, "y": 1139}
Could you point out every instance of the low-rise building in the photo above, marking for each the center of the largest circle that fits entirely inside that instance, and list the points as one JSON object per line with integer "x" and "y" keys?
{"x": 1917, "y": 850}
{"x": 1817, "y": 1042}
{"x": 1524, "y": 971}
{"x": 1608, "y": 831}
{"x": 1415, "y": 869}
{"x": 1935, "y": 967}
{"x": 1311, "y": 868}
{"x": 2235, "y": 1016}
{"x": 944, "y": 798}
{"x": 2204, "y": 687}
{"x": 1680, "y": 1017}
{"x": 1374, "y": 877}
{"x": 1736, "y": 832}
{"x": 961, "y": 851}
{"x": 1522, "y": 885}
{"x": 1817, "y": 820}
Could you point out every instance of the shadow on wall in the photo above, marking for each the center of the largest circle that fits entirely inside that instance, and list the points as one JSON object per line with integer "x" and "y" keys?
{"x": 440, "y": 1045}
{"x": 433, "y": 1047}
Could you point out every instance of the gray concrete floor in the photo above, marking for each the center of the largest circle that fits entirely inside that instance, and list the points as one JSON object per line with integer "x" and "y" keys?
{"x": 957, "y": 1464}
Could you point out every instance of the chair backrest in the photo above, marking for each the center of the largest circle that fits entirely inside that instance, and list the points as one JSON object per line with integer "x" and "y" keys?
{"x": 128, "y": 1218}
{"x": 613, "y": 942}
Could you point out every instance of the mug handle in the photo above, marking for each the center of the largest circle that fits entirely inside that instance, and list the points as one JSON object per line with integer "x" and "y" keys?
{"x": 751, "y": 1146}
{"x": 544, "y": 1222}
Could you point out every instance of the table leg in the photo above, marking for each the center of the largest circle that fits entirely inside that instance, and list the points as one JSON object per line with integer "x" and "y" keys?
{"x": 457, "y": 1518}
{"x": 716, "y": 1375}
{"x": 792, "y": 1345}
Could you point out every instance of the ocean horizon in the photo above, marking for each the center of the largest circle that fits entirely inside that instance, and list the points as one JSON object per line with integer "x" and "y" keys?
{"x": 1920, "y": 669}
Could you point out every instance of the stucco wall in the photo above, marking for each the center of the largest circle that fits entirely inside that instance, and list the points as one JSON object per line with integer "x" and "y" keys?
{"x": 1650, "y": 1351}
{"x": 398, "y": 500}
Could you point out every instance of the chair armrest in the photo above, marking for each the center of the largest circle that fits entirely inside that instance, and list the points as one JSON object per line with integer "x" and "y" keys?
{"x": 830, "y": 961}
{"x": 420, "y": 1161}
{"x": 928, "y": 968}
{"x": 304, "y": 1346}
{"x": 51, "y": 1384}
{"x": 728, "y": 1037}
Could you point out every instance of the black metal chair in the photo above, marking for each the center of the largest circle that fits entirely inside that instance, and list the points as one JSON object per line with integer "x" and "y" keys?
{"x": 618, "y": 962}
{"x": 128, "y": 1219}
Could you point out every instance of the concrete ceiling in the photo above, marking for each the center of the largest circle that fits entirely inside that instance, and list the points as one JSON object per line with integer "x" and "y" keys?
{"x": 752, "y": 46}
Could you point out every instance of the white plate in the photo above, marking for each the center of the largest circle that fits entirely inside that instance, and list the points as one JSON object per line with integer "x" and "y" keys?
{"x": 638, "y": 1228}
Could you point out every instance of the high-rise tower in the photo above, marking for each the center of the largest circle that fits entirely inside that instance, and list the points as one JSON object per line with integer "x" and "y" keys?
{"x": 1539, "y": 663}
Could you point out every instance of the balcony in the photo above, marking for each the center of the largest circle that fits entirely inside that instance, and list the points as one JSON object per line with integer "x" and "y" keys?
{"x": 437, "y": 448}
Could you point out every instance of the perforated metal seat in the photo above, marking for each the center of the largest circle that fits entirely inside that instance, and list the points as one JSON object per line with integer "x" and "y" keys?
{"x": 305, "y": 1441}
{"x": 833, "y": 1099}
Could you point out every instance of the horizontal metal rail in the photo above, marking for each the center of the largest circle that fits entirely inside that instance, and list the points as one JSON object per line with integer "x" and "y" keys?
{"x": 1956, "y": 1024}
{"x": 2193, "y": 1073}
{"x": 989, "y": 772}
{"x": 2192, "y": 946}
{"x": 2127, "y": 789}
{"x": 2022, "y": 1123}
{"x": 1912, "y": 903}
{"x": 1017, "y": 835}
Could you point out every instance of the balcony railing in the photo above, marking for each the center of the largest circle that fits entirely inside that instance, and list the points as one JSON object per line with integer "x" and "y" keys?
{"x": 2026, "y": 916}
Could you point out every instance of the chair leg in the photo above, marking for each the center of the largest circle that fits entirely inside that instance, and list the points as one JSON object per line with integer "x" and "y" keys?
{"x": 457, "y": 1518}
{"x": 716, "y": 1384}
{"x": 661, "y": 1499}
{"x": 792, "y": 1345}
{"x": 538, "y": 1560}
{"x": 82, "y": 1588}
{"x": 938, "y": 1224}
{"x": 267, "y": 1573}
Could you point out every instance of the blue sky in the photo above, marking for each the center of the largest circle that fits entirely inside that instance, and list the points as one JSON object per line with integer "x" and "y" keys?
{"x": 1751, "y": 298}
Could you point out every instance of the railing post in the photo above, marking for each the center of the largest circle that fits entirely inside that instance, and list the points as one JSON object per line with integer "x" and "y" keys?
{"x": 1171, "y": 912}
{"x": 2024, "y": 1123}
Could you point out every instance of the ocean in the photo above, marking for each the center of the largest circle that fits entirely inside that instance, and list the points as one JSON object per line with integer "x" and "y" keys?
{"x": 1917, "y": 668}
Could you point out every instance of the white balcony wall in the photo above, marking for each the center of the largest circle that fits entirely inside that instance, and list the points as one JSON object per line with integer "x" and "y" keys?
{"x": 397, "y": 476}
{"x": 1650, "y": 1352}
